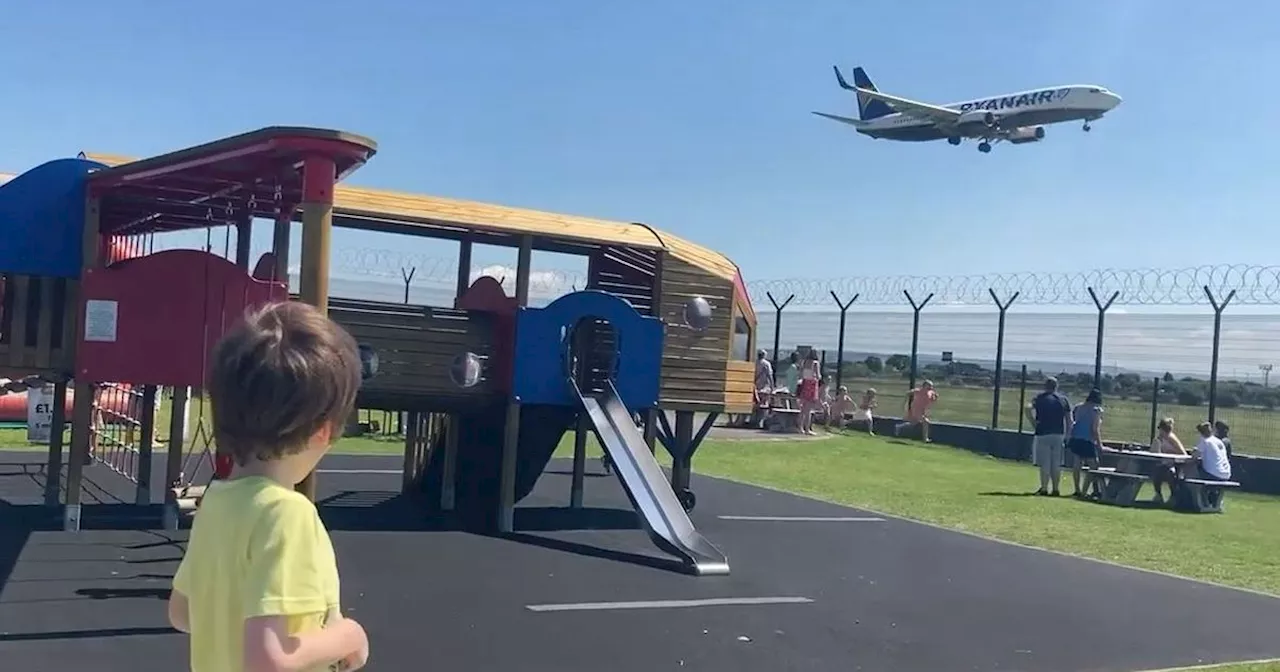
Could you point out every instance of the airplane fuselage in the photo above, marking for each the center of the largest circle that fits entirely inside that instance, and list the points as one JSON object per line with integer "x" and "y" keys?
{"x": 1080, "y": 102}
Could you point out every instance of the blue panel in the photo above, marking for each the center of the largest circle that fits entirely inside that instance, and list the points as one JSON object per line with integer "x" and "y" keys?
{"x": 42, "y": 219}
{"x": 540, "y": 375}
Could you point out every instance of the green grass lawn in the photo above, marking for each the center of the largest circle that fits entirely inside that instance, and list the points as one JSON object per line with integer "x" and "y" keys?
{"x": 1254, "y": 431}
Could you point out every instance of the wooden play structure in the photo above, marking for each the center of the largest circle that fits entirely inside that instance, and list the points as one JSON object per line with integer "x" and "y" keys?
{"x": 488, "y": 385}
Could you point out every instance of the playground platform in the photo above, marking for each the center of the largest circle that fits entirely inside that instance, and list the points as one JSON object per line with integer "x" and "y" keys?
{"x": 815, "y": 587}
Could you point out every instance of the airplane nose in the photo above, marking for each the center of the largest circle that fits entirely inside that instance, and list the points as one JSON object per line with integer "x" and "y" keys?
{"x": 1115, "y": 100}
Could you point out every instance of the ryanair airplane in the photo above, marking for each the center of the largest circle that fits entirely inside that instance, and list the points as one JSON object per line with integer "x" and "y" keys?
{"x": 1018, "y": 118}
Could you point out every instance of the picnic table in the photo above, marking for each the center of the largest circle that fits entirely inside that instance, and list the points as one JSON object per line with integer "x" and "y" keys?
{"x": 1135, "y": 464}
{"x": 782, "y": 411}
{"x": 1140, "y": 460}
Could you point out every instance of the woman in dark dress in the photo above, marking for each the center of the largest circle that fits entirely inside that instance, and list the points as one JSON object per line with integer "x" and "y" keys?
{"x": 1085, "y": 440}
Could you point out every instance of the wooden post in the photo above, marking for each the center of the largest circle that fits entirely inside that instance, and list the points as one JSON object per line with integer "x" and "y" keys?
{"x": 145, "y": 445}
{"x": 318, "y": 176}
{"x": 280, "y": 246}
{"x": 410, "y": 447}
{"x": 579, "y": 461}
{"x": 244, "y": 240}
{"x": 449, "y": 470}
{"x": 82, "y": 412}
{"x": 651, "y": 417}
{"x": 507, "y": 481}
{"x": 683, "y": 439}
{"x": 464, "y": 268}
{"x": 523, "y": 260}
{"x": 53, "y": 469}
{"x": 511, "y": 436}
{"x": 173, "y": 459}
{"x": 651, "y": 429}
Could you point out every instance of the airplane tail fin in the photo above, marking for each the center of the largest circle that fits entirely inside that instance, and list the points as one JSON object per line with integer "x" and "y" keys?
{"x": 868, "y": 108}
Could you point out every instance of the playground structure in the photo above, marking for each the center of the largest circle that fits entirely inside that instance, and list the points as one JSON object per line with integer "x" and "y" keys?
{"x": 489, "y": 385}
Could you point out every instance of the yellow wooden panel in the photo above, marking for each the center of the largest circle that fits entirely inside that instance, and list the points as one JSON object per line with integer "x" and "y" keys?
{"x": 410, "y": 208}
{"x": 740, "y": 373}
{"x": 738, "y": 402}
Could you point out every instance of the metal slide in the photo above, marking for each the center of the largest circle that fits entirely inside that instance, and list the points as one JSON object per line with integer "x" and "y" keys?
{"x": 646, "y": 484}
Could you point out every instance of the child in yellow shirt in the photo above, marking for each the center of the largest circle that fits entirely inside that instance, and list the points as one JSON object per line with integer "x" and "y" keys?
{"x": 258, "y": 587}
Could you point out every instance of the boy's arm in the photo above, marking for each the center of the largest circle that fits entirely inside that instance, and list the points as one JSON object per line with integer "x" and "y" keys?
{"x": 179, "y": 612}
{"x": 268, "y": 646}
{"x": 179, "y": 607}
{"x": 287, "y": 576}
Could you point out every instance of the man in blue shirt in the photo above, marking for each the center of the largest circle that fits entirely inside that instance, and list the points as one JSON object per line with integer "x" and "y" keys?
{"x": 1050, "y": 412}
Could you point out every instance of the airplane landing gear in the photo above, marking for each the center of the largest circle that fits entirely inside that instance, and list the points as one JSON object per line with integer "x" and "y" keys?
{"x": 1087, "y": 127}
{"x": 954, "y": 141}
{"x": 984, "y": 147}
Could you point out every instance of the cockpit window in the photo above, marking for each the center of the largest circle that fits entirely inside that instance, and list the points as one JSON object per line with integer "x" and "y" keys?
{"x": 1097, "y": 90}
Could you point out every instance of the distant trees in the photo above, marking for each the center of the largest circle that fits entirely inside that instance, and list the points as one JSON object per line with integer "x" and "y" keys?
{"x": 1185, "y": 391}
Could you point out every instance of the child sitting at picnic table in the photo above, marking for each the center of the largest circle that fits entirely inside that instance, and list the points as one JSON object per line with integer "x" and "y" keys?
{"x": 1167, "y": 443}
{"x": 841, "y": 405}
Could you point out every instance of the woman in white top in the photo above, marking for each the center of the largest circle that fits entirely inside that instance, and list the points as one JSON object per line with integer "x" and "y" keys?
{"x": 1215, "y": 464}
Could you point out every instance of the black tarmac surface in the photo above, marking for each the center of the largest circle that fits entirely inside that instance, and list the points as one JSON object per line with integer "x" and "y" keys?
{"x": 885, "y": 594}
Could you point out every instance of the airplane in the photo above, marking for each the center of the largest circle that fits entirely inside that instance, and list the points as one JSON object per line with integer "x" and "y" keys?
{"x": 1017, "y": 118}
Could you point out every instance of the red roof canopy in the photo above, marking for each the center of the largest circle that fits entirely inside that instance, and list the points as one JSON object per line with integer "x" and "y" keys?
{"x": 257, "y": 173}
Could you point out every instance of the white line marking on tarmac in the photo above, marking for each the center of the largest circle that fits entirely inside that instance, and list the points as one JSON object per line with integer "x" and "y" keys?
{"x": 807, "y": 519}
{"x": 358, "y": 471}
{"x": 668, "y": 604}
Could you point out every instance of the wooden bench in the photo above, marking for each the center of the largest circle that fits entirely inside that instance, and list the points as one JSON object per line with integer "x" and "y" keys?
{"x": 1195, "y": 495}
{"x": 1118, "y": 487}
{"x": 783, "y": 420}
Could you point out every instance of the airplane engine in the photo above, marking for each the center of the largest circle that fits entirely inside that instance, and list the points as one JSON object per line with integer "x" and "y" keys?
{"x": 1021, "y": 136}
{"x": 978, "y": 118}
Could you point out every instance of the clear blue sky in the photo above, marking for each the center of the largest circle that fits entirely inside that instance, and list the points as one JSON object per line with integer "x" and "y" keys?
{"x": 695, "y": 116}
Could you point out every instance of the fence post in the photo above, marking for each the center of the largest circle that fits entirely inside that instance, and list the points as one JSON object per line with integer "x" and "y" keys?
{"x": 915, "y": 332}
{"x": 777, "y": 325}
{"x": 407, "y": 275}
{"x": 995, "y": 395}
{"x": 844, "y": 311}
{"x": 1217, "y": 335}
{"x": 1102, "y": 323}
{"x": 1155, "y": 407}
{"x": 1022, "y": 398}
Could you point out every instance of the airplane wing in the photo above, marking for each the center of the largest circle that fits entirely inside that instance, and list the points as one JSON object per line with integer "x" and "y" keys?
{"x": 923, "y": 111}
{"x": 843, "y": 120}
